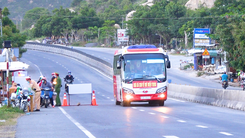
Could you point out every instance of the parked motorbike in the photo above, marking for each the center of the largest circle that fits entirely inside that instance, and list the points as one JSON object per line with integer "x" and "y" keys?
{"x": 224, "y": 84}
{"x": 15, "y": 102}
{"x": 68, "y": 82}
{"x": 45, "y": 97}
{"x": 25, "y": 99}
{"x": 243, "y": 84}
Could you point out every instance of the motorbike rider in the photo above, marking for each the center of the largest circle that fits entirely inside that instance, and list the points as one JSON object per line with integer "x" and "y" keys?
{"x": 39, "y": 82}
{"x": 225, "y": 78}
{"x": 68, "y": 78}
{"x": 46, "y": 84}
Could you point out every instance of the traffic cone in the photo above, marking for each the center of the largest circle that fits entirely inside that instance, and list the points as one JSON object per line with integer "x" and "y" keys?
{"x": 93, "y": 103}
{"x": 64, "y": 100}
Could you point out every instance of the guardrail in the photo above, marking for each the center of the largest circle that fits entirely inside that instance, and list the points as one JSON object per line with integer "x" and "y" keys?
{"x": 93, "y": 61}
{"x": 234, "y": 99}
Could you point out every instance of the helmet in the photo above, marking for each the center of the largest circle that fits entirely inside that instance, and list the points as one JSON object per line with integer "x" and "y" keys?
{"x": 28, "y": 78}
{"x": 40, "y": 78}
{"x": 53, "y": 73}
{"x": 44, "y": 78}
{"x": 69, "y": 72}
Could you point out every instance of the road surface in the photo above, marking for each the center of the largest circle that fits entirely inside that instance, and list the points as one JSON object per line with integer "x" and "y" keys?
{"x": 177, "y": 119}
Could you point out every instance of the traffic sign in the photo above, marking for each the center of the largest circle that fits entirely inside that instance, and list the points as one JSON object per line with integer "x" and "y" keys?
{"x": 205, "y": 53}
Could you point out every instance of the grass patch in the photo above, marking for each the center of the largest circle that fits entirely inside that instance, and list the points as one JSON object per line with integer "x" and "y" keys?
{"x": 10, "y": 115}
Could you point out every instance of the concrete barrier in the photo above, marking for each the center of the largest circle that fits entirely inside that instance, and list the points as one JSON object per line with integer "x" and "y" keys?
{"x": 234, "y": 99}
{"x": 95, "y": 62}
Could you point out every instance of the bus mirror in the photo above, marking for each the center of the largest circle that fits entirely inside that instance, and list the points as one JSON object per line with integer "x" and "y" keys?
{"x": 118, "y": 64}
{"x": 168, "y": 64}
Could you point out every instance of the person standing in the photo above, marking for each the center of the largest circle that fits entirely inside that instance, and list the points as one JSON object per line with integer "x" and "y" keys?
{"x": 34, "y": 86}
{"x": 57, "y": 89}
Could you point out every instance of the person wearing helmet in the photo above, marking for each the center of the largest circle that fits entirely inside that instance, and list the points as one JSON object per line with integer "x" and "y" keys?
{"x": 69, "y": 80}
{"x": 225, "y": 78}
{"x": 33, "y": 85}
{"x": 57, "y": 89}
{"x": 53, "y": 79}
{"x": 46, "y": 84}
{"x": 39, "y": 82}
{"x": 69, "y": 77}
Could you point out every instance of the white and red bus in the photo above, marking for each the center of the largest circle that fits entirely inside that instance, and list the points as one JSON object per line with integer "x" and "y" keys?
{"x": 140, "y": 75}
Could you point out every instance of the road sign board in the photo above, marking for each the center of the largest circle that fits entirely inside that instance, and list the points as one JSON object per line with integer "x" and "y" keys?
{"x": 205, "y": 56}
{"x": 205, "y": 53}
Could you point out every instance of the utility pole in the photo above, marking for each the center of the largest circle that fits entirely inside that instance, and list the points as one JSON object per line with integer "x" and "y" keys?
{"x": 122, "y": 22}
{"x": 1, "y": 22}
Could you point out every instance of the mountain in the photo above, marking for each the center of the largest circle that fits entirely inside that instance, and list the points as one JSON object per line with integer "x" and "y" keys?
{"x": 17, "y": 8}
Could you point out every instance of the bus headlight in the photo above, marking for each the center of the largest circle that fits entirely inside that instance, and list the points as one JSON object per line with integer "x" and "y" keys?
{"x": 162, "y": 90}
{"x": 128, "y": 91}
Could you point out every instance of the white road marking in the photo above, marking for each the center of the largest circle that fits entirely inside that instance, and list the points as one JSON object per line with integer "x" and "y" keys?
{"x": 108, "y": 97}
{"x": 177, "y": 100}
{"x": 91, "y": 67}
{"x": 103, "y": 95}
{"x": 225, "y": 133}
{"x": 57, "y": 62}
{"x": 201, "y": 126}
{"x": 181, "y": 121}
{"x": 39, "y": 70}
{"x": 134, "y": 107}
{"x": 77, "y": 124}
{"x": 142, "y": 110}
{"x": 165, "y": 117}
{"x": 112, "y": 100}
{"x": 170, "y": 136}
{"x": 151, "y": 113}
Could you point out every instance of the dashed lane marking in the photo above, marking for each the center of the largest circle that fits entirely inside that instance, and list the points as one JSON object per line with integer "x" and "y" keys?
{"x": 225, "y": 133}
{"x": 112, "y": 100}
{"x": 181, "y": 121}
{"x": 170, "y": 136}
{"x": 108, "y": 97}
{"x": 142, "y": 110}
{"x": 134, "y": 107}
{"x": 201, "y": 126}
{"x": 103, "y": 95}
{"x": 77, "y": 124}
{"x": 152, "y": 113}
{"x": 165, "y": 116}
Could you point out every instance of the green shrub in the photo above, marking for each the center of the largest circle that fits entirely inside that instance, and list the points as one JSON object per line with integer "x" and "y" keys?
{"x": 200, "y": 73}
{"x": 186, "y": 67}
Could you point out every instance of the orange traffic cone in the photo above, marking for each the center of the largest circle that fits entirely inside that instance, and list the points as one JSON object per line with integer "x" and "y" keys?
{"x": 93, "y": 103}
{"x": 64, "y": 100}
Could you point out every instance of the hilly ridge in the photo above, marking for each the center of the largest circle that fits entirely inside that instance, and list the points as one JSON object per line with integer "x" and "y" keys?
{"x": 18, "y": 8}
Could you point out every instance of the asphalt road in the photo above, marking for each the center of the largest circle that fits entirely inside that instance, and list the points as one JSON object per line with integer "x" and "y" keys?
{"x": 177, "y": 119}
{"x": 174, "y": 74}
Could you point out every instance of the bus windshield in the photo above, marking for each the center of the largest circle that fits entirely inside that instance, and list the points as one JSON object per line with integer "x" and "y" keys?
{"x": 144, "y": 67}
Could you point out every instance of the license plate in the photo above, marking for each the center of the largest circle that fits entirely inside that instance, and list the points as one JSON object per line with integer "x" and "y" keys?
{"x": 145, "y": 97}
{"x": 46, "y": 96}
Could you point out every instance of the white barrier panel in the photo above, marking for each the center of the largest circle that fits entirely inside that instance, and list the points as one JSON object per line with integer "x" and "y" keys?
{"x": 80, "y": 88}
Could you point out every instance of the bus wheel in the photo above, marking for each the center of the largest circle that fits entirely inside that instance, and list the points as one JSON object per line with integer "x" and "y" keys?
{"x": 125, "y": 103}
{"x": 117, "y": 102}
{"x": 161, "y": 103}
